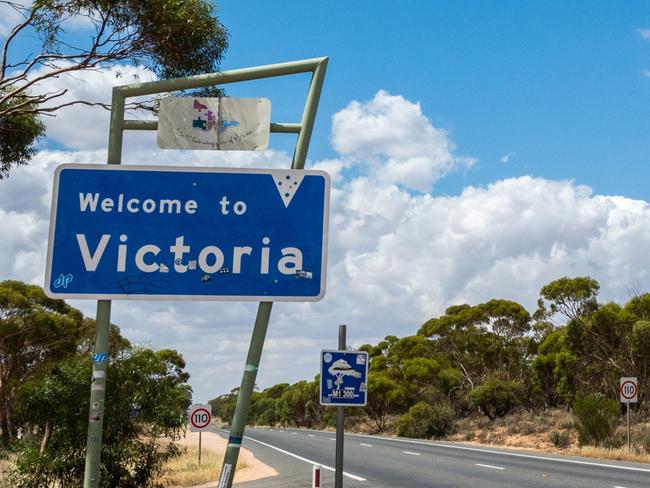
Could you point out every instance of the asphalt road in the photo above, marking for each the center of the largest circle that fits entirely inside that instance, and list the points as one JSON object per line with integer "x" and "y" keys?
{"x": 381, "y": 462}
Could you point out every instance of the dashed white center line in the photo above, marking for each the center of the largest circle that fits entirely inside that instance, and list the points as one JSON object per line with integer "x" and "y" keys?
{"x": 366, "y": 445}
{"x": 310, "y": 435}
{"x": 294, "y": 433}
{"x": 616, "y": 486}
{"x": 309, "y": 461}
{"x": 411, "y": 453}
{"x": 332, "y": 438}
{"x": 488, "y": 466}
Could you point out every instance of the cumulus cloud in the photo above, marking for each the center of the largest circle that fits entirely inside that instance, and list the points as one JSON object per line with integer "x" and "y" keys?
{"x": 396, "y": 257}
{"x": 391, "y": 135}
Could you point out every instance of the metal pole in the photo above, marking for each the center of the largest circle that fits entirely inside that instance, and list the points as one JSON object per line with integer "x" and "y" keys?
{"x": 629, "y": 442}
{"x": 244, "y": 396}
{"x": 102, "y": 328}
{"x": 340, "y": 425}
{"x": 200, "y": 447}
{"x": 264, "y": 310}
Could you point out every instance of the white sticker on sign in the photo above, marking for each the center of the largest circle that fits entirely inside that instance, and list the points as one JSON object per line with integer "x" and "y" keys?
{"x": 223, "y": 482}
{"x": 241, "y": 124}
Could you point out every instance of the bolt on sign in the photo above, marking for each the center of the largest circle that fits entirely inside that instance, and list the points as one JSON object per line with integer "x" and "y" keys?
{"x": 214, "y": 123}
{"x": 183, "y": 233}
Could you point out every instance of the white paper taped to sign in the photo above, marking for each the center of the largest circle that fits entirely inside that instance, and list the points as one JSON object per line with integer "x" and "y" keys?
{"x": 241, "y": 124}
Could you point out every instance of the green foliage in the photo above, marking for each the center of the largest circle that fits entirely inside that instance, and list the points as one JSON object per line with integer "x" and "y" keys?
{"x": 18, "y": 135}
{"x": 170, "y": 37}
{"x": 572, "y": 298}
{"x": 35, "y": 332}
{"x": 495, "y": 398}
{"x": 385, "y": 396}
{"x": 595, "y": 418}
{"x": 491, "y": 358}
{"x": 147, "y": 399}
{"x": 561, "y": 439}
{"x": 424, "y": 421}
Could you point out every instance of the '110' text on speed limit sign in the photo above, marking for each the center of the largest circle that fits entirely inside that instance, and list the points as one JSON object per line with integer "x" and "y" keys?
{"x": 200, "y": 417}
{"x": 629, "y": 389}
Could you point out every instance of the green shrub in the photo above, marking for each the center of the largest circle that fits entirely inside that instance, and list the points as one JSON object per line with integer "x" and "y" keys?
{"x": 424, "y": 420}
{"x": 442, "y": 420}
{"x": 595, "y": 418}
{"x": 560, "y": 439}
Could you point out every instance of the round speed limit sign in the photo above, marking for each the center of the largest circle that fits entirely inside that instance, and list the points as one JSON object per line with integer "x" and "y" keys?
{"x": 200, "y": 417}
{"x": 629, "y": 390}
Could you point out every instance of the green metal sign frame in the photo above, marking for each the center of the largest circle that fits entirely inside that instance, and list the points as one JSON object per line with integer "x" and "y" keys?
{"x": 118, "y": 125}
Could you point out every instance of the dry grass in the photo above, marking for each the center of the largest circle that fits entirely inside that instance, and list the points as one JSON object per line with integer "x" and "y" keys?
{"x": 185, "y": 470}
{"x": 7, "y": 462}
{"x": 620, "y": 454}
{"x": 523, "y": 430}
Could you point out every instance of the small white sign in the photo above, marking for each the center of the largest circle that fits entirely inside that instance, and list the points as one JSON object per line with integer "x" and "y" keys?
{"x": 629, "y": 389}
{"x": 227, "y": 124}
{"x": 200, "y": 417}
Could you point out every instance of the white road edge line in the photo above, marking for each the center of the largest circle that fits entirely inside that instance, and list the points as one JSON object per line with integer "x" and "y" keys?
{"x": 616, "y": 486}
{"x": 329, "y": 468}
{"x": 513, "y": 454}
{"x": 411, "y": 453}
{"x": 488, "y": 466}
{"x": 367, "y": 445}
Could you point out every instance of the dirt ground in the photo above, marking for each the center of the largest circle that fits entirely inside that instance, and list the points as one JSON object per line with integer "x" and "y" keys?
{"x": 254, "y": 470}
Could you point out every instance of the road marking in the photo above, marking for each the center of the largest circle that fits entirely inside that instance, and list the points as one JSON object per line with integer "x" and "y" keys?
{"x": 411, "y": 453}
{"x": 619, "y": 486}
{"x": 501, "y": 453}
{"x": 488, "y": 466}
{"x": 332, "y": 438}
{"x": 294, "y": 433}
{"x": 309, "y": 461}
{"x": 310, "y": 435}
{"x": 367, "y": 445}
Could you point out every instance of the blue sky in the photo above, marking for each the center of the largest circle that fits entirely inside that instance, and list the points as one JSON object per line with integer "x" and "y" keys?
{"x": 477, "y": 150}
{"x": 559, "y": 84}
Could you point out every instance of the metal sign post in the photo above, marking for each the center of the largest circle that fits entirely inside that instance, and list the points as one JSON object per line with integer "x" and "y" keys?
{"x": 340, "y": 425}
{"x": 343, "y": 382}
{"x": 118, "y": 125}
{"x": 200, "y": 418}
{"x": 629, "y": 394}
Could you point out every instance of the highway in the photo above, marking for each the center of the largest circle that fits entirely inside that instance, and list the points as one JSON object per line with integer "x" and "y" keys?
{"x": 383, "y": 462}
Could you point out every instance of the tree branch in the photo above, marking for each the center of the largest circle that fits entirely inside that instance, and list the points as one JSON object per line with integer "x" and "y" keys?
{"x": 14, "y": 33}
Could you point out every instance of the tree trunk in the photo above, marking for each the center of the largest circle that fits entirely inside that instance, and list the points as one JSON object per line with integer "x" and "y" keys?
{"x": 46, "y": 436}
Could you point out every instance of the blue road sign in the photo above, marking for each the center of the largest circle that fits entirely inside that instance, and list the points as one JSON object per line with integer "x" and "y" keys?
{"x": 151, "y": 232}
{"x": 344, "y": 378}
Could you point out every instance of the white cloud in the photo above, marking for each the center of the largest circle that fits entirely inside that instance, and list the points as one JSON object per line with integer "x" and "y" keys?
{"x": 393, "y": 137}
{"x": 505, "y": 159}
{"x": 11, "y": 16}
{"x": 644, "y": 33}
{"x": 395, "y": 258}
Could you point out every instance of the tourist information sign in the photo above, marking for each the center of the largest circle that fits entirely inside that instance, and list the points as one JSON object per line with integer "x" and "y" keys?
{"x": 344, "y": 378}
{"x": 153, "y": 232}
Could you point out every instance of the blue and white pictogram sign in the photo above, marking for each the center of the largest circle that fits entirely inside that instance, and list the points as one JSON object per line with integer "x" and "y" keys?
{"x": 344, "y": 378}
{"x": 151, "y": 232}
